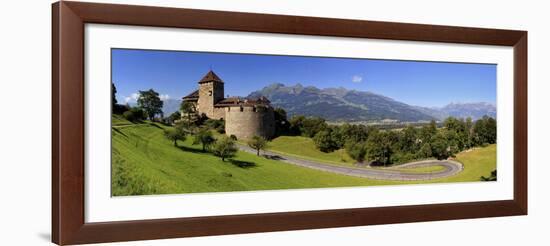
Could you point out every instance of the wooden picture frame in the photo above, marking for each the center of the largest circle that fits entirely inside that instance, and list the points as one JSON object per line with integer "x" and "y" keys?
{"x": 68, "y": 224}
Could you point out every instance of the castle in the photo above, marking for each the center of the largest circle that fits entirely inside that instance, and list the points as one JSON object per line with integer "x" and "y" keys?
{"x": 243, "y": 118}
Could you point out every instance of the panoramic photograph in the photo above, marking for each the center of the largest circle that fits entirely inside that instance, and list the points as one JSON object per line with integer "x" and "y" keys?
{"x": 198, "y": 122}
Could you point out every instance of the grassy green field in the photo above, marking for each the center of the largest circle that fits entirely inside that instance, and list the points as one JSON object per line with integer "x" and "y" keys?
{"x": 304, "y": 147}
{"x": 477, "y": 162}
{"x": 144, "y": 162}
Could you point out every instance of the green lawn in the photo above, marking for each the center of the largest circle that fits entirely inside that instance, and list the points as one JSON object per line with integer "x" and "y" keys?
{"x": 304, "y": 147}
{"x": 421, "y": 169}
{"x": 144, "y": 162}
{"x": 478, "y": 162}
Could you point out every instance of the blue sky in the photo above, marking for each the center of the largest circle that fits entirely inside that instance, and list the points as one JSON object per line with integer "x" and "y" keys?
{"x": 174, "y": 74}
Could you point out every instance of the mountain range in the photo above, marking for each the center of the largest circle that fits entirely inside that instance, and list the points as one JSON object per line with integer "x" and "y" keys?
{"x": 340, "y": 104}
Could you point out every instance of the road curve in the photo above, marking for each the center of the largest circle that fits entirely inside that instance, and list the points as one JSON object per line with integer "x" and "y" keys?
{"x": 450, "y": 167}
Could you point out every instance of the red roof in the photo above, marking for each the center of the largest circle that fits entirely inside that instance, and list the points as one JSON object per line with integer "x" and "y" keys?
{"x": 210, "y": 77}
{"x": 193, "y": 96}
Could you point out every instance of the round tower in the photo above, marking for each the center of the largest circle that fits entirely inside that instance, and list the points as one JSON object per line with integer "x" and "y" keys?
{"x": 246, "y": 120}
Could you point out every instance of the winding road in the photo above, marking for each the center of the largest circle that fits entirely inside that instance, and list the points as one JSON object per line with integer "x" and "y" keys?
{"x": 449, "y": 167}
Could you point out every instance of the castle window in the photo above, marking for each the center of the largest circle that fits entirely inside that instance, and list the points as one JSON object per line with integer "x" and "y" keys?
{"x": 242, "y": 109}
{"x": 254, "y": 109}
{"x": 210, "y": 93}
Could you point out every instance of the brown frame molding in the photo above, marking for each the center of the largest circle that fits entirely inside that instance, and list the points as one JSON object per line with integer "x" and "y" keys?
{"x": 68, "y": 19}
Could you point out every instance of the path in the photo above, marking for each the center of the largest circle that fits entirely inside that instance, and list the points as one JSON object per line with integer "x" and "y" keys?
{"x": 450, "y": 167}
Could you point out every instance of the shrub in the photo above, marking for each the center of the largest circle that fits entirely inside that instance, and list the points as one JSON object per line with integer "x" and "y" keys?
{"x": 324, "y": 142}
{"x": 204, "y": 137}
{"x": 258, "y": 143}
{"x": 218, "y": 125}
{"x": 356, "y": 150}
{"x": 128, "y": 115}
{"x": 138, "y": 113}
{"x": 225, "y": 148}
{"x": 174, "y": 134}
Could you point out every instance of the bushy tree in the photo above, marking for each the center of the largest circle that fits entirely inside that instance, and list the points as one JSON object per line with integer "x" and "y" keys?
{"x": 492, "y": 177}
{"x": 189, "y": 110}
{"x": 440, "y": 147}
{"x": 128, "y": 115}
{"x": 484, "y": 131}
{"x": 113, "y": 95}
{"x": 307, "y": 126}
{"x": 427, "y": 132}
{"x": 224, "y": 148}
{"x": 425, "y": 151}
{"x": 174, "y": 117}
{"x": 174, "y": 134}
{"x": 356, "y": 150}
{"x": 282, "y": 126}
{"x": 379, "y": 147}
{"x": 150, "y": 102}
{"x": 257, "y": 143}
{"x": 205, "y": 138}
{"x": 134, "y": 114}
{"x": 355, "y": 133}
{"x": 218, "y": 125}
{"x": 323, "y": 141}
{"x": 407, "y": 142}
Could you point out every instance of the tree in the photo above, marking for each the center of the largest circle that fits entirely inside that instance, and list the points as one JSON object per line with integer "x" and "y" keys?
{"x": 440, "y": 147}
{"x": 356, "y": 150}
{"x": 355, "y": 133}
{"x": 427, "y": 132}
{"x": 134, "y": 114}
{"x": 425, "y": 151}
{"x": 307, "y": 126}
{"x": 189, "y": 110}
{"x": 282, "y": 126}
{"x": 379, "y": 147}
{"x": 458, "y": 128}
{"x": 225, "y": 148}
{"x": 128, "y": 115}
{"x": 113, "y": 95}
{"x": 174, "y": 134}
{"x": 258, "y": 143}
{"x": 493, "y": 177}
{"x": 204, "y": 137}
{"x": 469, "y": 127}
{"x": 484, "y": 131}
{"x": 491, "y": 125}
{"x": 323, "y": 141}
{"x": 174, "y": 117}
{"x": 408, "y": 140}
{"x": 150, "y": 102}
{"x": 218, "y": 125}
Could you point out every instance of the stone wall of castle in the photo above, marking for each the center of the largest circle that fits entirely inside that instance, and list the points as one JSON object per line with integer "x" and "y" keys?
{"x": 248, "y": 121}
{"x": 209, "y": 94}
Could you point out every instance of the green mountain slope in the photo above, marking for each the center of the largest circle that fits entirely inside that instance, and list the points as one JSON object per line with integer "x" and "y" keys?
{"x": 144, "y": 162}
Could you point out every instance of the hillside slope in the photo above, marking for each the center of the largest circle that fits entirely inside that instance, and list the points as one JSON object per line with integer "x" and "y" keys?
{"x": 144, "y": 162}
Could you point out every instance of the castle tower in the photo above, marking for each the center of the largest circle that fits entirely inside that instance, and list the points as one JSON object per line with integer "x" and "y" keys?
{"x": 210, "y": 92}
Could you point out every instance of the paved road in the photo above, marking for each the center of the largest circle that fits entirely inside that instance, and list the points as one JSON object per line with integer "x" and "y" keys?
{"x": 450, "y": 167}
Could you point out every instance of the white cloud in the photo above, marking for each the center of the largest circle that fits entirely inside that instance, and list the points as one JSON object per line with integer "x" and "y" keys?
{"x": 356, "y": 79}
{"x": 131, "y": 98}
{"x": 134, "y": 97}
{"x": 164, "y": 97}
